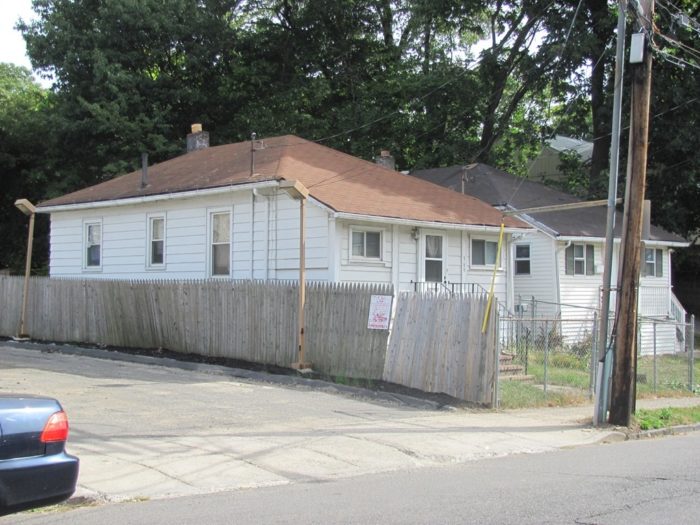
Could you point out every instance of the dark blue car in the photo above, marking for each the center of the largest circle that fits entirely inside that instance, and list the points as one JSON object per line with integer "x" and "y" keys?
{"x": 34, "y": 467}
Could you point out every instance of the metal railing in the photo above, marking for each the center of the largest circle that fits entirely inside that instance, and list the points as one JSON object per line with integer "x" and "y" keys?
{"x": 447, "y": 287}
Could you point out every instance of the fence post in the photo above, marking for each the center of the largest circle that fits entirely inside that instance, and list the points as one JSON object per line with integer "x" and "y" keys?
{"x": 497, "y": 367}
{"x": 691, "y": 355}
{"x": 654, "y": 326}
{"x": 594, "y": 360}
{"x": 546, "y": 352}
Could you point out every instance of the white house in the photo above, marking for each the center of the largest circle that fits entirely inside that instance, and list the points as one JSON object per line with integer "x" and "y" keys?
{"x": 546, "y": 166}
{"x": 220, "y": 212}
{"x": 560, "y": 263}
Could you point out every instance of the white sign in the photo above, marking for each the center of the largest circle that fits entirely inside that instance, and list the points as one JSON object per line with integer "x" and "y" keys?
{"x": 379, "y": 312}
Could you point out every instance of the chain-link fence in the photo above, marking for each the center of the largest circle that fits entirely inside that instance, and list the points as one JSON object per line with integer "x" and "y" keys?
{"x": 667, "y": 360}
{"x": 553, "y": 360}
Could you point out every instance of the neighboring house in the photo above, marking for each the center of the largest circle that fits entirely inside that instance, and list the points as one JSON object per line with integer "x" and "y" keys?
{"x": 561, "y": 264}
{"x": 546, "y": 166}
{"x": 219, "y": 212}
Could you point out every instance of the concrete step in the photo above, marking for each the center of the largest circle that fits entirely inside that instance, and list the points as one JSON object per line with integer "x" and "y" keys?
{"x": 517, "y": 377}
{"x": 511, "y": 369}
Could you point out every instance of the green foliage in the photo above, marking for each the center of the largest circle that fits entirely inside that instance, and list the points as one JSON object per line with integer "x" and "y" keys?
{"x": 515, "y": 394}
{"x": 667, "y": 417}
{"x": 24, "y": 129}
{"x": 360, "y": 76}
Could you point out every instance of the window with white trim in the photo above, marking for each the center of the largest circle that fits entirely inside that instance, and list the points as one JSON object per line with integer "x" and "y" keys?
{"x": 653, "y": 262}
{"x": 220, "y": 243}
{"x": 156, "y": 241}
{"x": 484, "y": 252}
{"x": 433, "y": 258}
{"x": 366, "y": 244}
{"x": 93, "y": 245}
{"x": 580, "y": 259}
{"x": 522, "y": 259}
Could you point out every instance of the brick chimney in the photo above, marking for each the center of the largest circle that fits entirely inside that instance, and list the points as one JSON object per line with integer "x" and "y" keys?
{"x": 385, "y": 159}
{"x": 198, "y": 139}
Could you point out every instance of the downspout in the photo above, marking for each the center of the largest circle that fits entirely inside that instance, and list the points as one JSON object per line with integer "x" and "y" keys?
{"x": 556, "y": 270}
{"x": 253, "y": 193}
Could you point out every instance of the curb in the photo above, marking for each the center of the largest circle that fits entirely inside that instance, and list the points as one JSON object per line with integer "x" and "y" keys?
{"x": 239, "y": 373}
{"x": 668, "y": 431}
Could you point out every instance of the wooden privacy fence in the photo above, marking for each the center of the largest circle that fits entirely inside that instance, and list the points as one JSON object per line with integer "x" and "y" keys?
{"x": 436, "y": 342}
{"x": 437, "y": 346}
{"x": 245, "y": 320}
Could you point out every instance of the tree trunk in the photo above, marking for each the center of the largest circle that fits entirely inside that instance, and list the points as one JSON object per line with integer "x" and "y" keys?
{"x": 601, "y": 114}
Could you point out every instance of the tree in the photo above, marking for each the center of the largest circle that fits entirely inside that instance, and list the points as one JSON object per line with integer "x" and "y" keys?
{"x": 23, "y": 137}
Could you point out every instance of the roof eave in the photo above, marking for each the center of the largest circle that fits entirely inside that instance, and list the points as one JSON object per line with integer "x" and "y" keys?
{"x": 130, "y": 201}
{"x": 427, "y": 224}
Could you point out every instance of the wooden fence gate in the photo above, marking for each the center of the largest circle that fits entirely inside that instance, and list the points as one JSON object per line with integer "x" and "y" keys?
{"x": 437, "y": 345}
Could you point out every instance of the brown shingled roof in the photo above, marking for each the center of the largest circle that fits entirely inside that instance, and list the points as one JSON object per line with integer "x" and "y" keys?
{"x": 342, "y": 182}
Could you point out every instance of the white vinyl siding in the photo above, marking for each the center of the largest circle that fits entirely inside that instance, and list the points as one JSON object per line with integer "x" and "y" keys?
{"x": 579, "y": 293}
{"x": 542, "y": 280}
{"x": 125, "y": 239}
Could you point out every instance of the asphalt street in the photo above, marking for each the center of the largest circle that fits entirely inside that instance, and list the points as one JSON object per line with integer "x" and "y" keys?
{"x": 642, "y": 482}
{"x": 149, "y": 428}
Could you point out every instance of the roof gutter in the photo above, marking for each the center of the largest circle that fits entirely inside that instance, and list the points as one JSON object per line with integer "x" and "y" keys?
{"x": 131, "y": 201}
{"x": 616, "y": 240}
{"x": 427, "y": 224}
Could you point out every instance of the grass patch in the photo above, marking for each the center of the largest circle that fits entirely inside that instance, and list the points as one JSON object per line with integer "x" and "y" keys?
{"x": 666, "y": 417}
{"x": 671, "y": 375}
{"x": 516, "y": 394}
{"x": 560, "y": 376}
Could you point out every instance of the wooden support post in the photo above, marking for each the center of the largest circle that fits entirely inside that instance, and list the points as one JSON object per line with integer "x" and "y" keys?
{"x": 622, "y": 401}
{"x": 298, "y": 191}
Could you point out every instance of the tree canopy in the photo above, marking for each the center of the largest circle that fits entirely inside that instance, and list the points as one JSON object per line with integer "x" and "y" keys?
{"x": 438, "y": 82}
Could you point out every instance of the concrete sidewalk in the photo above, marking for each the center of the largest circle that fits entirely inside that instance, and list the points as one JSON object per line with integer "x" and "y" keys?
{"x": 154, "y": 429}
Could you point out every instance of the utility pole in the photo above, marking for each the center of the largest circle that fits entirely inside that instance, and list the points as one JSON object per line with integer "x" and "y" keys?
{"x": 603, "y": 376}
{"x": 622, "y": 402}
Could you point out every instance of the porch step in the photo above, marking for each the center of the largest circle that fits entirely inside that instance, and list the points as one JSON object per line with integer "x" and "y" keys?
{"x": 510, "y": 369}
{"x": 517, "y": 377}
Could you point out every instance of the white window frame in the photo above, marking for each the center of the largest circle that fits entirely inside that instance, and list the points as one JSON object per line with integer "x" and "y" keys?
{"x": 86, "y": 226}
{"x": 581, "y": 259}
{"x": 658, "y": 256}
{"x": 210, "y": 242}
{"x": 150, "y": 240}
{"x": 486, "y": 264}
{"x": 517, "y": 259}
{"x": 423, "y": 258}
{"x": 588, "y": 269}
{"x": 365, "y": 258}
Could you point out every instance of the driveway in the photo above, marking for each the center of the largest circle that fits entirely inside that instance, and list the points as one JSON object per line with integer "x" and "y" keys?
{"x": 156, "y": 430}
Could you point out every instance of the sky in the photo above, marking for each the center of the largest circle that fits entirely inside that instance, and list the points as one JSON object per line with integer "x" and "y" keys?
{"x": 11, "y": 42}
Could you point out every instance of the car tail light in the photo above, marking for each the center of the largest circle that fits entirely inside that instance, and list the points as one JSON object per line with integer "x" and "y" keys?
{"x": 56, "y": 428}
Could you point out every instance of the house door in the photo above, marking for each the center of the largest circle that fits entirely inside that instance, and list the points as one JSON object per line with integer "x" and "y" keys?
{"x": 434, "y": 248}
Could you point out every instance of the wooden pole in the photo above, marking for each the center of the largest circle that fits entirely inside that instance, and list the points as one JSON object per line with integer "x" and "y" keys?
{"x": 301, "y": 364}
{"x": 622, "y": 401}
{"x": 27, "y": 271}
{"x": 297, "y": 190}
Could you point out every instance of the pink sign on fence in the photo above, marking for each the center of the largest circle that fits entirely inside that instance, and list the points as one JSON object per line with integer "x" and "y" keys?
{"x": 379, "y": 312}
